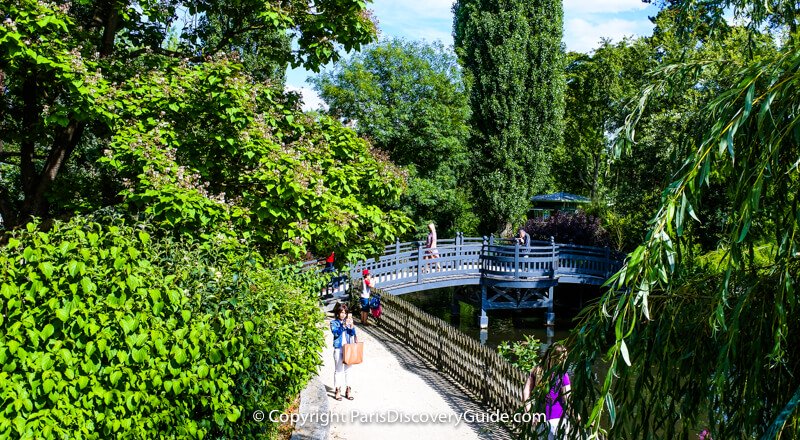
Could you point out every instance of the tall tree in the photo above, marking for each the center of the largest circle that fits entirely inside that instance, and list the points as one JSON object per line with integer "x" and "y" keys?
{"x": 512, "y": 53}
{"x": 409, "y": 99}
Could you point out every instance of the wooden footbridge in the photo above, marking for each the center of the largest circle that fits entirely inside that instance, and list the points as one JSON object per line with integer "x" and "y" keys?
{"x": 511, "y": 276}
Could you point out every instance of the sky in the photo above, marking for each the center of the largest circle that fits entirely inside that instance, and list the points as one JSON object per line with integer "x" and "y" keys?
{"x": 585, "y": 23}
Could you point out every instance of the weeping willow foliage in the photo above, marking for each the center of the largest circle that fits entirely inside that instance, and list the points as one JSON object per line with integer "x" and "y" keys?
{"x": 676, "y": 346}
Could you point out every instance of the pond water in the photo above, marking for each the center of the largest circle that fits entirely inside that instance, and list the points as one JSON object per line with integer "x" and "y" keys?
{"x": 505, "y": 325}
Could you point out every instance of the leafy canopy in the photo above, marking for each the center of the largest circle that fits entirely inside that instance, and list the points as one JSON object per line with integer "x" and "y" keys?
{"x": 694, "y": 345}
{"x": 197, "y": 144}
{"x": 58, "y": 62}
{"x": 296, "y": 182}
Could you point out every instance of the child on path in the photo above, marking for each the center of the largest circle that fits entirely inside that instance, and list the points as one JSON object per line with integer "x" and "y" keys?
{"x": 366, "y": 292}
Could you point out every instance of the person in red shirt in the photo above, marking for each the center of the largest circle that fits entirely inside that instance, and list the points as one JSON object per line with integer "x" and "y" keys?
{"x": 366, "y": 292}
{"x": 329, "y": 263}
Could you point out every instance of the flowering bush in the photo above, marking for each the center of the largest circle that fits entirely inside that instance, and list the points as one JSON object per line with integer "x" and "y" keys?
{"x": 576, "y": 228}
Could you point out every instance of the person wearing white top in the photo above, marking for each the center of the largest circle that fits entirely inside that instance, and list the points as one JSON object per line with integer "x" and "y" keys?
{"x": 366, "y": 292}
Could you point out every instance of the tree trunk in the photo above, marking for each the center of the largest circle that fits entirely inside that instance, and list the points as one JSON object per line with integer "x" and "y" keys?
{"x": 110, "y": 26}
{"x": 36, "y": 184}
{"x": 64, "y": 144}
{"x": 7, "y": 211}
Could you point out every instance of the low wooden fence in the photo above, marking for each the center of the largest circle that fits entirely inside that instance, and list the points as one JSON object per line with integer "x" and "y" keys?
{"x": 477, "y": 368}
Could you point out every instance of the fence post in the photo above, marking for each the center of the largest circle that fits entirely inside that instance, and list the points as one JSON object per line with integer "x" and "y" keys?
{"x": 607, "y": 263}
{"x": 439, "y": 345}
{"x": 408, "y": 331}
{"x": 420, "y": 255}
{"x": 516, "y": 259}
{"x": 555, "y": 259}
{"x": 485, "y": 391}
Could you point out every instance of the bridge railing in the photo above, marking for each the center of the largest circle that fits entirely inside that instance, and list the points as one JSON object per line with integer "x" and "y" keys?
{"x": 519, "y": 261}
{"x": 585, "y": 260}
{"x": 411, "y": 262}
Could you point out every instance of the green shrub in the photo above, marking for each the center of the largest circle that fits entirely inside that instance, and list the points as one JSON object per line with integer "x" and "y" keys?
{"x": 521, "y": 354}
{"x": 108, "y": 332}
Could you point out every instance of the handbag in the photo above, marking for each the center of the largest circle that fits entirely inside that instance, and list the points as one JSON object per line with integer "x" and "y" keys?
{"x": 353, "y": 353}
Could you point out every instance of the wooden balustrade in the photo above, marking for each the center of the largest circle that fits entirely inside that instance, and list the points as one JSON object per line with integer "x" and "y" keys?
{"x": 404, "y": 263}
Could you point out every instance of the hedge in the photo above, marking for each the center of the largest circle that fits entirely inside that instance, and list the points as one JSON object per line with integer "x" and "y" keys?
{"x": 107, "y": 331}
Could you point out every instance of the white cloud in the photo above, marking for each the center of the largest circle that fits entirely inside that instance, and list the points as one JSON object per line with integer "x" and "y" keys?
{"x": 311, "y": 100}
{"x": 573, "y": 7}
{"x": 581, "y": 35}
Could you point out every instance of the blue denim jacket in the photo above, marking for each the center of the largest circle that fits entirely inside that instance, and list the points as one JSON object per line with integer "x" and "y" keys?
{"x": 338, "y": 330}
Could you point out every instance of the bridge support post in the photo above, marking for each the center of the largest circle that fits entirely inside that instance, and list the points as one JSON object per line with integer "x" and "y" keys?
{"x": 551, "y": 316}
{"x": 484, "y": 323}
{"x": 551, "y": 333}
{"x": 455, "y": 308}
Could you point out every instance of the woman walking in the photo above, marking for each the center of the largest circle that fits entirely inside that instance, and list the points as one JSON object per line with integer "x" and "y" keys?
{"x": 431, "y": 252}
{"x": 343, "y": 329}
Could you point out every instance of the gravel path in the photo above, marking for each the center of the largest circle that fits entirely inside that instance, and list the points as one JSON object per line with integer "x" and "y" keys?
{"x": 398, "y": 397}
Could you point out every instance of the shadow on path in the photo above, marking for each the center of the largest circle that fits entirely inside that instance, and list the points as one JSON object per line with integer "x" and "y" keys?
{"x": 459, "y": 400}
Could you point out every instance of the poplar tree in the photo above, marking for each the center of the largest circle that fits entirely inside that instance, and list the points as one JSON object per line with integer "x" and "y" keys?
{"x": 512, "y": 54}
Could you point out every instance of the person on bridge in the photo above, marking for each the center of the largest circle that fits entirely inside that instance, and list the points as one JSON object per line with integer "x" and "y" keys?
{"x": 341, "y": 325}
{"x": 366, "y": 292}
{"x": 523, "y": 238}
{"x": 430, "y": 245}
